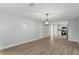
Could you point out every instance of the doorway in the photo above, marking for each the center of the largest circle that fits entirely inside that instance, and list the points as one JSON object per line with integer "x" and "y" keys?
{"x": 59, "y": 30}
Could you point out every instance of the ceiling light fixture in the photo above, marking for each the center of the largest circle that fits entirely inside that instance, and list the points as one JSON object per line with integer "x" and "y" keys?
{"x": 31, "y": 4}
{"x": 46, "y": 22}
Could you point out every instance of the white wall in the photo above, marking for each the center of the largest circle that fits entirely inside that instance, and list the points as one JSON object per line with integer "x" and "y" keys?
{"x": 15, "y": 30}
{"x": 78, "y": 28}
{"x": 73, "y": 30}
{"x": 46, "y": 31}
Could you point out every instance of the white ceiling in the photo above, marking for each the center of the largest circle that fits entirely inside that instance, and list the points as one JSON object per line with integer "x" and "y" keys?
{"x": 56, "y": 11}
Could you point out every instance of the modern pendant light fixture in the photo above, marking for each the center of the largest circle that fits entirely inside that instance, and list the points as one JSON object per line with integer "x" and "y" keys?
{"x": 46, "y": 22}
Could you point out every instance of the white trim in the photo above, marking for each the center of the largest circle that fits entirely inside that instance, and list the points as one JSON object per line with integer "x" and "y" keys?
{"x": 19, "y": 44}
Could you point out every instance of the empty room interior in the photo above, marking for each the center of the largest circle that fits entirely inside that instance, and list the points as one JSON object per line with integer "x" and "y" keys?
{"x": 39, "y": 28}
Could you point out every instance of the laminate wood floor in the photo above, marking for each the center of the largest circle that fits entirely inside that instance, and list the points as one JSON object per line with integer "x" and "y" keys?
{"x": 45, "y": 46}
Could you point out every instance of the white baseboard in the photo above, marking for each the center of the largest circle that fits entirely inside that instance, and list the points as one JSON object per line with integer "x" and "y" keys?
{"x": 74, "y": 41}
{"x": 18, "y": 44}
